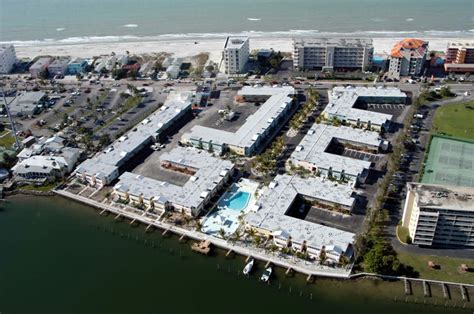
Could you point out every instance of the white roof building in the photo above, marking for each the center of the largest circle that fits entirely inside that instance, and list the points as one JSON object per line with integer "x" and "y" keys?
{"x": 210, "y": 172}
{"x": 270, "y": 215}
{"x": 236, "y": 54}
{"x": 256, "y": 129}
{"x": 344, "y": 101}
{"x": 312, "y": 153}
{"x": 105, "y": 164}
{"x": 439, "y": 215}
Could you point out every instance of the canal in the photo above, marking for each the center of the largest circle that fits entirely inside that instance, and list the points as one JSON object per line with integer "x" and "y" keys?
{"x": 58, "y": 256}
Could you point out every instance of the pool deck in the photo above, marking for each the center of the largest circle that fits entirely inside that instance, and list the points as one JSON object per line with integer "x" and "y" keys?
{"x": 241, "y": 248}
{"x": 226, "y": 218}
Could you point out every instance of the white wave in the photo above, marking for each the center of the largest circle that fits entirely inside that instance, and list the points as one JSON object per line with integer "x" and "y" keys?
{"x": 410, "y": 19}
{"x": 253, "y": 19}
{"x": 130, "y": 25}
{"x": 60, "y": 29}
{"x": 251, "y": 33}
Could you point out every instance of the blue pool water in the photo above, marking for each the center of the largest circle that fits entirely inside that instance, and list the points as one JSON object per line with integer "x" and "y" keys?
{"x": 237, "y": 201}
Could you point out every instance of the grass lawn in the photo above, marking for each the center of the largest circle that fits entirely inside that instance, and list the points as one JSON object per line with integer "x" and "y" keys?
{"x": 7, "y": 140}
{"x": 403, "y": 234}
{"x": 455, "y": 120}
{"x": 42, "y": 188}
{"x": 448, "y": 271}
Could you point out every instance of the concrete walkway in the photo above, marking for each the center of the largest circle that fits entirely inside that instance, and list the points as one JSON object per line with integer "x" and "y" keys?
{"x": 297, "y": 265}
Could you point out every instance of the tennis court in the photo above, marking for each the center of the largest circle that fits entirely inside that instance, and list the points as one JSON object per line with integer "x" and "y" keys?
{"x": 450, "y": 161}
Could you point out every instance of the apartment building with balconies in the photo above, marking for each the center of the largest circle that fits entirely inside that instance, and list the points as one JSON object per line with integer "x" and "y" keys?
{"x": 236, "y": 54}
{"x": 441, "y": 216}
{"x": 330, "y": 54}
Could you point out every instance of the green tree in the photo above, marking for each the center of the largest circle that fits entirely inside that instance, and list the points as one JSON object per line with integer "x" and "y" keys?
{"x": 382, "y": 259}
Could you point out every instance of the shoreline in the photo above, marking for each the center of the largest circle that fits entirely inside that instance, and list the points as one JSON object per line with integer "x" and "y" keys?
{"x": 190, "y": 47}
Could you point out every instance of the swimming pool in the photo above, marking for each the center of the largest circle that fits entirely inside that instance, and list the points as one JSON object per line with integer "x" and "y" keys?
{"x": 237, "y": 201}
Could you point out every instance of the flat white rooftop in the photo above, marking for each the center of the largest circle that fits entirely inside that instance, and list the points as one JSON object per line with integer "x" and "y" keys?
{"x": 337, "y": 42}
{"x": 128, "y": 144}
{"x": 443, "y": 197}
{"x": 277, "y": 199}
{"x": 210, "y": 172}
{"x": 312, "y": 148}
{"x": 235, "y": 42}
{"x": 255, "y": 125}
{"x": 342, "y": 100}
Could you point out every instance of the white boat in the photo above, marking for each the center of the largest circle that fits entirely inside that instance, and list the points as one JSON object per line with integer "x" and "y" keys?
{"x": 248, "y": 267}
{"x": 266, "y": 274}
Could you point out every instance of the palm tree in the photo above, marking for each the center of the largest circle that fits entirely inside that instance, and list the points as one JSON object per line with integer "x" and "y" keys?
{"x": 273, "y": 248}
{"x": 222, "y": 233}
{"x": 304, "y": 247}
{"x": 257, "y": 240}
{"x": 322, "y": 255}
{"x": 198, "y": 225}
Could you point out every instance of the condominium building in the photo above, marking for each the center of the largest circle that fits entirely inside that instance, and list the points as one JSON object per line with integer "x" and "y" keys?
{"x": 407, "y": 57}
{"x": 7, "y": 58}
{"x": 438, "y": 215}
{"x": 59, "y": 66}
{"x": 460, "y": 57}
{"x": 40, "y": 67}
{"x": 322, "y": 151}
{"x": 236, "y": 54}
{"x": 206, "y": 177}
{"x": 106, "y": 166}
{"x": 329, "y": 54}
{"x": 26, "y": 103}
{"x": 270, "y": 218}
{"x": 257, "y": 129}
{"x": 351, "y": 104}
{"x": 76, "y": 66}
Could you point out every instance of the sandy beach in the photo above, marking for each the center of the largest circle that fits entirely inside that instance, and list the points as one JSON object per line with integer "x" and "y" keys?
{"x": 189, "y": 47}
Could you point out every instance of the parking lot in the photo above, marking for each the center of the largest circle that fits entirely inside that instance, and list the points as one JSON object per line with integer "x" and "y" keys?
{"x": 360, "y": 155}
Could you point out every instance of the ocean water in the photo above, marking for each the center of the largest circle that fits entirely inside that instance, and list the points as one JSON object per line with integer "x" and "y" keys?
{"x": 80, "y": 21}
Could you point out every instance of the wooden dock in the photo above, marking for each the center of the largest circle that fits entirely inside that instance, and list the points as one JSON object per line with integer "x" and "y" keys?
{"x": 407, "y": 287}
{"x": 203, "y": 247}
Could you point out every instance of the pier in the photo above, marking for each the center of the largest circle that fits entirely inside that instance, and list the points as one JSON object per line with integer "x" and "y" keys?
{"x": 408, "y": 290}
{"x": 446, "y": 291}
{"x": 426, "y": 289}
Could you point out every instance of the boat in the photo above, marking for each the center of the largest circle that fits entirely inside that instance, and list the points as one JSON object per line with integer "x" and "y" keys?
{"x": 248, "y": 267}
{"x": 266, "y": 274}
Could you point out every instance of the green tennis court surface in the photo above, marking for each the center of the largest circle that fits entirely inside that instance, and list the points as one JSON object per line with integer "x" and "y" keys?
{"x": 450, "y": 162}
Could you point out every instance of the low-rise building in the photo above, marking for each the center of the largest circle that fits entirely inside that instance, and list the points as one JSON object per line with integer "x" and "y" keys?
{"x": 44, "y": 168}
{"x": 438, "y": 215}
{"x": 322, "y": 151}
{"x": 207, "y": 176}
{"x": 26, "y": 103}
{"x": 236, "y": 54}
{"x": 7, "y": 58}
{"x": 40, "y": 67}
{"x": 257, "y": 129}
{"x": 270, "y": 218}
{"x": 350, "y": 104}
{"x": 332, "y": 54}
{"x": 77, "y": 66}
{"x": 106, "y": 166}
{"x": 407, "y": 57}
{"x": 59, "y": 66}
{"x": 174, "y": 67}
